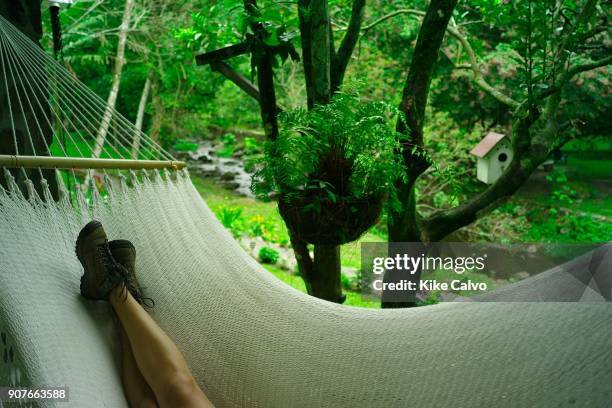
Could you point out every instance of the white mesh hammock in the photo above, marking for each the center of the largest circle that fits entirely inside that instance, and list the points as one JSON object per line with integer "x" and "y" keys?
{"x": 250, "y": 339}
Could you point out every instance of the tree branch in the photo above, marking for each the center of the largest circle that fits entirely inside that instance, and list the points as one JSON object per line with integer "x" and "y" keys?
{"x": 243, "y": 83}
{"x": 570, "y": 73}
{"x": 223, "y": 53}
{"x": 382, "y": 19}
{"x": 454, "y": 31}
{"x": 478, "y": 74}
{"x": 347, "y": 46}
{"x": 315, "y": 31}
{"x": 424, "y": 60}
{"x": 320, "y": 52}
{"x": 526, "y": 159}
{"x": 577, "y": 69}
{"x": 306, "y": 37}
{"x": 239, "y": 80}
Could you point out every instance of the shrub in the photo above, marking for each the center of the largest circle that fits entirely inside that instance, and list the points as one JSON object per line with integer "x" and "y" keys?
{"x": 229, "y": 146}
{"x": 562, "y": 191}
{"x": 345, "y": 281}
{"x": 230, "y": 218}
{"x": 268, "y": 255}
{"x": 182, "y": 145}
{"x": 256, "y": 226}
{"x": 352, "y": 283}
{"x": 252, "y": 146}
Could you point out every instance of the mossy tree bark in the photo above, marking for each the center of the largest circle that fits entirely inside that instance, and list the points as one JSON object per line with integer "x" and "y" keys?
{"x": 324, "y": 70}
{"x": 403, "y": 223}
{"x": 26, "y": 16}
{"x": 265, "y": 74}
{"x": 321, "y": 274}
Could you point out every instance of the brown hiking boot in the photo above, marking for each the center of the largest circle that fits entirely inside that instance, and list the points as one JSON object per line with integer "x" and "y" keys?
{"x": 102, "y": 273}
{"x": 124, "y": 252}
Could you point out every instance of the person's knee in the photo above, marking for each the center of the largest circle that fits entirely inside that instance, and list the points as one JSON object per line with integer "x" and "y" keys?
{"x": 180, "y": 390}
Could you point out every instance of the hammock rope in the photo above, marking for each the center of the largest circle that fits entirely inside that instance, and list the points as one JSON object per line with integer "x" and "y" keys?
{"x": 28, "y": 75}
{"x": 250, "y": 339}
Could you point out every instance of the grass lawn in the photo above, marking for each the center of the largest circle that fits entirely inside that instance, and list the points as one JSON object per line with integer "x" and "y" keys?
{"x": 352, "y": 298}
{"x": 588, "y": 173}
{"x": 589, "y": 165}
{"x": 220, "y": 199}
{"x": 601, "y": 205}
{"x": 74, "y": 147}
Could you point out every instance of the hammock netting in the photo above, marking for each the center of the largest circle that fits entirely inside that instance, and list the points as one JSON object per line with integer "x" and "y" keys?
{"x": 251, "y": 340}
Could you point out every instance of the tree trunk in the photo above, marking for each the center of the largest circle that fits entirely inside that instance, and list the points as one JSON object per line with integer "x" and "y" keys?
{"x": 111, "y": 102}
{"x": 403, "y": 224}
{"x": 317, "y": 273}
{"x": 322, "y": 273}
{"x": 26, "y": 16}
{"x": 158, "y": 111}
{"x": 316, "y": 50}
{"x": 321, "y": 52}
{"x": 325, "y": 280}
{"x": 144, "y": 97}
{"x": 265, "y": 74}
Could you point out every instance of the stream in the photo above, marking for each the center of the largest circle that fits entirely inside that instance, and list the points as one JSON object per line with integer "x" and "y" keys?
{"x": 227, "y": 171}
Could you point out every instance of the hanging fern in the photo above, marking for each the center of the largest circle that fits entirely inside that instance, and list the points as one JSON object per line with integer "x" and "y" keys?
{"x": 345, "y": 149}
{"x": 332, "y": 167}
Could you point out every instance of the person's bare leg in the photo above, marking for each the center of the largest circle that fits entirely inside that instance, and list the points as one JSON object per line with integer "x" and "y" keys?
{"x": 159, "y": 360}
{"x": 137, "y": 391}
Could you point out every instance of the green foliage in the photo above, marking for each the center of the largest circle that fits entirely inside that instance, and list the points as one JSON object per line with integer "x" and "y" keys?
{"x": 228, "y": 23}
{"x": 252, "y": 146}
{"x": 561, "y": 225}
{"x": 452, "y": 178}
{"x": 431, "y": 298}
{"x": 229, "y": 146}
{"x": 182, "y": 145}
{"x": 230, "y": 217}
{"x": 352, "y": 283}
{"x": 244, "y": 215}
{"x": 268, "y": 255}
{"x": 345, "y": 281}
{"x": 348, "y": 131}
{"x": 562, "y": 220}
{"x": 256, "y": 227}
{"x": 215, "y": 26}
{"x": 562, "y": 191}
{"x": 595, "y": 144}
{"x": 352, "y": 298}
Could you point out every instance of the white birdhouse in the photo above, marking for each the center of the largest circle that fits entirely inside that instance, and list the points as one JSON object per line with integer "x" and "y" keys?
{"x": 494, "y": 154}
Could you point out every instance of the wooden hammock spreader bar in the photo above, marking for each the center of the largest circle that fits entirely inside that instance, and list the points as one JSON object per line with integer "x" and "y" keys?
{"x": 48, "y": 162}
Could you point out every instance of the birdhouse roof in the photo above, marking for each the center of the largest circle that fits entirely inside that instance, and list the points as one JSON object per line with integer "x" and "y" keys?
{"x": 486, "y": 144}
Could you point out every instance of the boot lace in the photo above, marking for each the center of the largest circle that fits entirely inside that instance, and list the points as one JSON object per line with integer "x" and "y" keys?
{"x": 120, "y": 275}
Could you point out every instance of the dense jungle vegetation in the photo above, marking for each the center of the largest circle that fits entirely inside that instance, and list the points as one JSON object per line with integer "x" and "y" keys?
{"x": 378, "y": 104}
